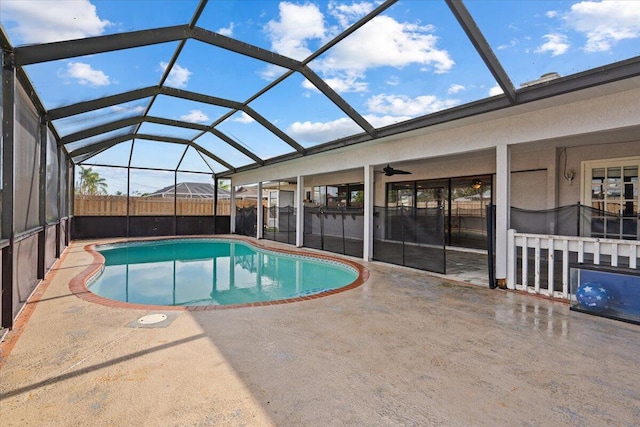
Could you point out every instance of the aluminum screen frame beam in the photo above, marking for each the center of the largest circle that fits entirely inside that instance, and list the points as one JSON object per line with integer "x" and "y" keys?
{"x": 45, "y": 52}
{"x": 174, "y": 57}
{"x": 112, "y": 100}
{"x": 591, "y": 78}
{"x": 54, "y": 51}
{"x": 483, "y": 48}
{"x": 97, "y": 130}
{"x": 96, "y": 104}
{"x": 101, "y": 44}
{"x": 7, "y": 196}
{"x": 131, "y": 121}
{"x": 237, "y": 146}
{"x": 199, "y": 97}
{"x": 108, "y": 143}
{"x": 203, "y": 128}
{"x": 147, "y": 92}
{"x": 273, "y": 129}
{"x": 246, "y": 49}
{"x": 338, "y": 100}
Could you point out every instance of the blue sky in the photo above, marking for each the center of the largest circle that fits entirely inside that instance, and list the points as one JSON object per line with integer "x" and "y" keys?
{"x": 411, "y": 60}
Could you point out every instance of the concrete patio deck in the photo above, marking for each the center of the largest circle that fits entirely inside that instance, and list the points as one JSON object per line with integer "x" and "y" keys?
{"x": 406, "y": 348}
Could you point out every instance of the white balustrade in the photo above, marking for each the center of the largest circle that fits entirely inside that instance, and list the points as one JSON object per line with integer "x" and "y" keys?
{"x": 619, "y": 252}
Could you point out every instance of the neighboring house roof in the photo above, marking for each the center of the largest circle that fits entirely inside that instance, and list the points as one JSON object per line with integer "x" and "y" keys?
{"x": 247, "y": 193}
{"x": 199, "y": 190}
{"x": 191, "y": 190}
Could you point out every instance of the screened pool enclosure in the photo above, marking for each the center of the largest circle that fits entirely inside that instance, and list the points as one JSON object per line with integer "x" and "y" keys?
{"x": 137, "y": 119}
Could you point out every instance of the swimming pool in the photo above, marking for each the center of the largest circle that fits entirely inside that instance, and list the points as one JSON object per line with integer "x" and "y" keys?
{"x": 211, "y": 272}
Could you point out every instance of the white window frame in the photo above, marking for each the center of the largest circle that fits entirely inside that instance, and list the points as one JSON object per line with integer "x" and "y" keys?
{"x": 587, "y": 168}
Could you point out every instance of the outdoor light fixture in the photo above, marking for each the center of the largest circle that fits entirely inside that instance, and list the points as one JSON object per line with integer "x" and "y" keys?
{"x": 476, "y": 184}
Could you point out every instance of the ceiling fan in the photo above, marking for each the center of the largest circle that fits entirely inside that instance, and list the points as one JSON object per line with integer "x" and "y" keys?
{"x": 389, "y": 171}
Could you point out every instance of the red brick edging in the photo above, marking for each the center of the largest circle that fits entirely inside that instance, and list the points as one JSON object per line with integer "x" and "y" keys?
{"x": 78, "y": 285}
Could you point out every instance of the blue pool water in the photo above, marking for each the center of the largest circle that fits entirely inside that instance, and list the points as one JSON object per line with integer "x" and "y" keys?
{"x": 211, "y": 272}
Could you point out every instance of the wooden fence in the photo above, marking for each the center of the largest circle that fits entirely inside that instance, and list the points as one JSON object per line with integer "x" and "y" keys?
{"x": 138, "y": 206}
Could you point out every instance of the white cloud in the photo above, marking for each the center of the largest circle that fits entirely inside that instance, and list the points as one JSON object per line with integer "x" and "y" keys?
{"x": 228, "y": 31}
{"x": 555, "y": 43}
{"x": 401, "y": 105}
{"x": 33, "y": 21}
{"x": 384, "y": 110}
{"x": 195, "y": 116}
{"x": 393, "y": 81}
{"x": 340, "y": 84}
{"x": 306, "y": 84}
{"x": 85, "y": 75}
{"x": 298, "y": 23}
{"x": 496, "y": 90}
{"x": 387, "y": 42}
{"x": 348, "y": 14}
{"x": 455, "y": 88}
{"x": 243, "y": 118}
{"x": 381, "y": 42}
{"x": 381, "y": 121}
{"x": 135, "y": 109}
{"x": 512, "y": 43}
{"x": 271, "y": 72}
{"x": 551, "y": 13}
{"x": 604, "y": 23}
{"x": 318, "y": 132}
{"x": 178, "y": 76}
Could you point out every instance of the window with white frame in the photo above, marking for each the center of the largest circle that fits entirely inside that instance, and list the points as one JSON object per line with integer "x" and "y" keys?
{"x": 610, "y": 189}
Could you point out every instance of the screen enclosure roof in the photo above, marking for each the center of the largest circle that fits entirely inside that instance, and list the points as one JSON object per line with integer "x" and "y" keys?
{"x": 224, "y": 86}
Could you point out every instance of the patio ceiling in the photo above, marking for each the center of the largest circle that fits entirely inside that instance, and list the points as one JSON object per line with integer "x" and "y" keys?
{"x": 277, "y": 81}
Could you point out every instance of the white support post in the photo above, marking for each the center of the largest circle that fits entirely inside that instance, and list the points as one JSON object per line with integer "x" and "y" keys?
{"x": 300, "y": 212}
{"x": 259, "y": 214}
{"x": 367, "y": 249}
{"x": 525, "y": 263}
{"x": 551, "y": 256}
{"x": 503, "y": 206}
{"x": 232, "y": 208}
{"x": 511, "y": 259}
{"x": 536, "y": 265}
{"x": 581, "y": 251}
{"x": 565, "y": 269}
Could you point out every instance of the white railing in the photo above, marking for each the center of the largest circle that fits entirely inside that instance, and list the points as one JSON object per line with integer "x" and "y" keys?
{"x": 591, "y": 248}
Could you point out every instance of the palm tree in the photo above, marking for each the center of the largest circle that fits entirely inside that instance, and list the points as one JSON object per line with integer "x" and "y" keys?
{"x": 91, "y": 182}
{"x": 224, "y": 184}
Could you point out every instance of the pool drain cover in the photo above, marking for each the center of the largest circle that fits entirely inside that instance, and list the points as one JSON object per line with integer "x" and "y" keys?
{"x": 154, "y": 320}
{"x": 150, "y": 319}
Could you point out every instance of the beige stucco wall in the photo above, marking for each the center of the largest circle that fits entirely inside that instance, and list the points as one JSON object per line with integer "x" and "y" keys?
{"x": 569, "y": 192}
{"x": 335, "y": 178}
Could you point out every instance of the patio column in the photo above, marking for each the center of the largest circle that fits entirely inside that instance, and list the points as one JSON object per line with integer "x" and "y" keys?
{"x": 42, "y": 196}
{"x": 367, "y": 249}
{"x": 232, "y": 207}
{"x": 300, "y": 211}
{"x": 503, "y": 206}
{"x": 215, "y": 202}
{"x": 260, "y": 214}
{"x": 7, "y": 195}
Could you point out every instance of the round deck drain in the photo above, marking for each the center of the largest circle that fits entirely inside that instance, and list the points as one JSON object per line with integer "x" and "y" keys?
{"x": 152, "y": 318}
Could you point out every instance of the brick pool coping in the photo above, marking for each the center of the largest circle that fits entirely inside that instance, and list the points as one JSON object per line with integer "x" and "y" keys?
{"x": 78, "y": 285}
